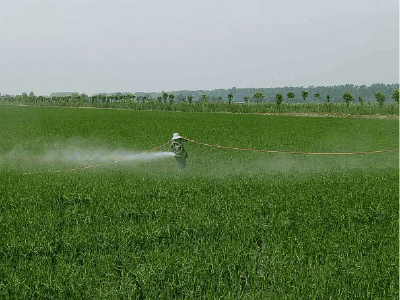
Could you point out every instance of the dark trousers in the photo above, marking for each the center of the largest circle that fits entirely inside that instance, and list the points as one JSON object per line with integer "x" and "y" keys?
{"x": 181, "y": 160}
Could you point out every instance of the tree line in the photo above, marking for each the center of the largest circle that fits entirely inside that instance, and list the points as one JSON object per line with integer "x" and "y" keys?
{"x": 349, "y": 93}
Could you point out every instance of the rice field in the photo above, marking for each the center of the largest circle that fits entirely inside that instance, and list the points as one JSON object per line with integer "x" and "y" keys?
{"x": 233, "y": 225}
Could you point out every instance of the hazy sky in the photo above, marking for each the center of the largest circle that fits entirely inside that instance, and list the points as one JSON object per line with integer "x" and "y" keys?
{"x": 157, "y": 45}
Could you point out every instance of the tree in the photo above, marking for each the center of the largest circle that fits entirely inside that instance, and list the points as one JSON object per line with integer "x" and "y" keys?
{"x": 380, "y": 97}
{"x": 361, "y": 100}
{"x": 165, "y": 96}
{"x": 347, "y": 96}
{"x": 84, "y": 98}
{"x": 246, "y": 99}
{"x": 395, "y": 95}
{"x": 279, "y": 99}
{"x": 230, "y": 96}
{"x": 103, "y": 98}
{"x": 32, "y": 97}
{"x": 290, "y": 95}
{"x": 24, "y": 97}
{"x": 258, "y": 96}
{"x": 317, "y": 96}
{"x": 190, "y": 99}
{"x": 205, "y": 98}
{"x": 171, "y": 98}
{"x": 304, "y": 95}
{"x": 328, "y": 98}
{"x": 74, "y": 97}
{"x": 159, "y": 99}
{"x": 181, "y": 98}
{"x": 129, "y": 97}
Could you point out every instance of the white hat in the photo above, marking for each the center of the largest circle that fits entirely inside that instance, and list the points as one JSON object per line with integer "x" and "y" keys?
{"x": 176, "y": 136}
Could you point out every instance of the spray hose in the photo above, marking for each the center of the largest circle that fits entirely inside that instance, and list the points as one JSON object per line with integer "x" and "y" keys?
{"x": 225, "y": 147}
{"x": 288, "y": 152}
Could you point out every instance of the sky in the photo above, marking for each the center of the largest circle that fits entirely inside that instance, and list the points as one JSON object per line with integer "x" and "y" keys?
{"x": 99, "y": 46}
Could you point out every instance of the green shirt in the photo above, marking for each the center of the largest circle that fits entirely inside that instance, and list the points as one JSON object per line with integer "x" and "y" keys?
{"x": 178, "y": 148}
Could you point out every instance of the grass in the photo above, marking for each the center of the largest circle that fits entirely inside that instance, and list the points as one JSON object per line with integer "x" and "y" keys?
{"x": 234, "y": 225}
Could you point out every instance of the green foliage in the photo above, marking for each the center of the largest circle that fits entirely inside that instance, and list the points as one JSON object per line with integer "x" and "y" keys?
{"x": 205, "y": 98}
{"x": 246, "y": 99}
{"x": 235, "y": 225}
{"x": 230, "y": 96}
{"x": 32, "y": 97}
{"x": 171, "y": 98}
{"x": 380, "y": 97}
{"x": 181, "y": 98}
{"x": 361, "y": 100}
{"x": 317, "y": 96}
{"x": 279, "y": 99}
{"x": 290, "y": 95}
{"x": 190, "y": 99}
{"x": 258, "y": 96}
{"x": 24, "y": 97}
{"x": 328, "y": 98}
{"x": 395, "y": 95}
{"x": 165, "y": 96}
{"x": 304, "y": 95}
{"x": 347, "y": 96}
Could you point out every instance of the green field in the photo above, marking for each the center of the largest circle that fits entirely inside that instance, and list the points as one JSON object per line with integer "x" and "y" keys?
{"x": 233, "y": 225}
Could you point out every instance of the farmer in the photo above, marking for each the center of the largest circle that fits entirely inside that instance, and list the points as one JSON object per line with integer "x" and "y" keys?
{"x": 177, "y": 147}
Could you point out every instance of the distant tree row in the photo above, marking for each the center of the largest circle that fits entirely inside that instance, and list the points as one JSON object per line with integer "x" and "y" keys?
{"x": 257, "y": 97}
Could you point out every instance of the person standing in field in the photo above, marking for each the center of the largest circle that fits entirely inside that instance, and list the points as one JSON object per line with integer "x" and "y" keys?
{"x": 178, "y": 148}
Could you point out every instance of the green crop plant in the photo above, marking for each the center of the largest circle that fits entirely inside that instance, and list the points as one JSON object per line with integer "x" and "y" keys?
{"x": 233, "y": 225}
